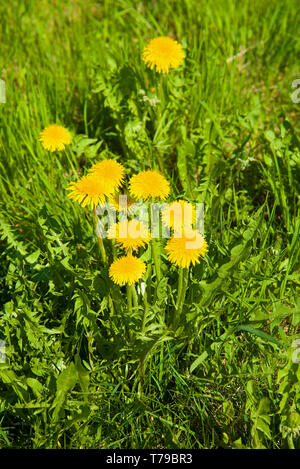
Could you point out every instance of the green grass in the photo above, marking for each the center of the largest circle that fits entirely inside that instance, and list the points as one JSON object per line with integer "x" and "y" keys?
{"x": 226, "y": 134}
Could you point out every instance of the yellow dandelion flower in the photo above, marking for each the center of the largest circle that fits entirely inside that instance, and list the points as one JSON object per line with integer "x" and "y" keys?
{"x": 187, "y": 249}
{"x": 89, "y": 190}
{"x": 127, "y": 270}
{"x": 55, "y": 137}
{"x": 129, "y": 234}
{"x": 164, "y": 53}
{"x": 179, "y": 214}
{"x": 149, "y": 184}
{"x": 111, "y": 171}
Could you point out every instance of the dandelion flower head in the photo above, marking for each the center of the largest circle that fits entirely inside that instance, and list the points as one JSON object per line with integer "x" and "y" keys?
{"x": 110, "y": 171}
{"x": 164, "y": 53}
{"x": 55, "y": 137}
{"x": 187, "y": 249}
{"x": 149, "y": 184}
{"x": 89, "y": 190}
{"x": 127, "y": 270}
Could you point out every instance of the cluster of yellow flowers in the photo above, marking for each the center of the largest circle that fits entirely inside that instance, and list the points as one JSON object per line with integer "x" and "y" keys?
{"x": 104, "y": 179}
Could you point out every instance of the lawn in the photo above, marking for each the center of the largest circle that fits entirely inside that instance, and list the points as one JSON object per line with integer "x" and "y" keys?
{"x": 202, "y": 356}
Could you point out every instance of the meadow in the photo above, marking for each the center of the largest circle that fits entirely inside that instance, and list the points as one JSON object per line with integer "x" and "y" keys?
{"x": 204, "y": 357}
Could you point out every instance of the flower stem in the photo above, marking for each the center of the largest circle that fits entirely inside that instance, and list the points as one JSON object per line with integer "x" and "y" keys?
{"x": 161, "y": 107}
{"x": 99, "y": 238}
{"x": 156, "y": 258}
{"x": 129, "y": 299}
{"x": 142, "y": 362}
{"x": 161, "y": 96}
{"x": 51, "y": 166}
{"x": 134, "y": 297}
{"x": 182, "y": 287}
{"x": 180, "y": 284}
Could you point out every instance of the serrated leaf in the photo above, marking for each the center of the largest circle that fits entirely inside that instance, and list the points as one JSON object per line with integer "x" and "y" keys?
{"x": 198, "y": 361}
{"x": 228, "y": 411}
{"x": 161, "y": 290}
{"x": 83, "y": 375}
{"x": 64, "y": 384}
{"x": 261, "y": 422}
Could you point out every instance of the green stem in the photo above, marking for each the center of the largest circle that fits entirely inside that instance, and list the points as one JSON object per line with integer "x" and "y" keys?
{"x": 160, "y": 86}
{"x": 129, "y": 299}
{"x": 52, "y": 166}
{"x": 180, "y": 284}
{"x": 114, "y": 249}
{"x": 134, "y": 297}
{"x": 156, "y": 258}
{"x": 161, "y": 107}
{"x": 161, "y": 96}
{"x": 146, "y": 307}
{"x": 142, "y": 363}
{"x": 182, "y": 287}
{"x": 100, "y": 240}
